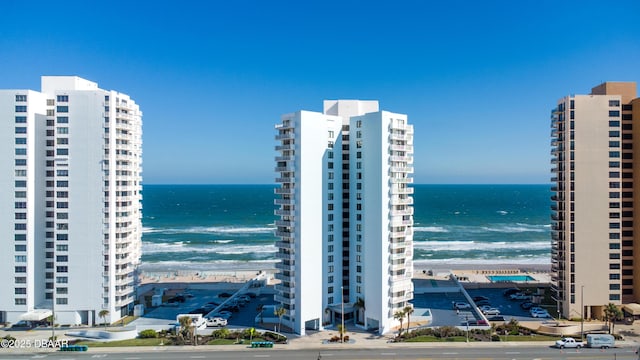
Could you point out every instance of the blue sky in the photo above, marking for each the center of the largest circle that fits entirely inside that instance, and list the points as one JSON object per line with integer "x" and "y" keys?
{"x": 477, "y": 78}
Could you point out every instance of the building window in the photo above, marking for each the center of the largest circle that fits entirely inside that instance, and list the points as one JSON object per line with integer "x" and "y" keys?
{"x": 20, "y": 269}
{"x": 21, "y": 108}
{"x": 63, "y": 120}
{"x": 62, "y": 98}
{"x": 614, "y": 297}
{"x": 61, "y": 301}
{"x": 62, "y": 109}
{"x": 21, "y": 130}
{"x": 20, "y": 302}
{"x": 21, "y": 119}
{"x": 330, "y": 290}
{"x": 614, "y": 113}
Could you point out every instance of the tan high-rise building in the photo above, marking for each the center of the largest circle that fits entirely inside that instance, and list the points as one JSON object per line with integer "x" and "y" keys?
{"x": 593, "y": 224}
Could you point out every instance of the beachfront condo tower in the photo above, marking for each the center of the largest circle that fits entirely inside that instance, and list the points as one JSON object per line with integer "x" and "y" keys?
{"x": 595, "y": 149}
{"x": 70, "y": 211}
{"x": 345, "y": 227}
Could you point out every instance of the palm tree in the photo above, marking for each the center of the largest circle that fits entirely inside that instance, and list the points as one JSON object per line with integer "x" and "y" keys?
{"x": 408, "y": 310}
{"x": 260, "y": 309}
{"x": 341, "y": 331}
{"x": 103, "y": 315}
{"x": 399, "y": 315}
{"x": 279, "y": 312}
{"x": 186, "y": 324}
{"x": 611, "y": 313}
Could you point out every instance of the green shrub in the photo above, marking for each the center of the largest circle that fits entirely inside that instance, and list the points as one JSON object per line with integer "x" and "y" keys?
{"x": 148, "y": 334}
{"x": 221, "y": 333}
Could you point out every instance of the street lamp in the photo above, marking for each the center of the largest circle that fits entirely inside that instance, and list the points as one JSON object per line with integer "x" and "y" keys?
{"x": 342, "y": 316}
{"x": 582, "y": 313}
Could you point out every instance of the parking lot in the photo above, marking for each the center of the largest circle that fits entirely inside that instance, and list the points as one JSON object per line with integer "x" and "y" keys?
{"x": 164, "y": 316}
{"x": 442, "y": 305}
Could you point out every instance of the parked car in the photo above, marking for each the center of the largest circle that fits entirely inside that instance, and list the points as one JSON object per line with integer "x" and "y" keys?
{"x": 461, "y": 306}
{"x": 510, "y": 291}
{"x": 480, "y": 298}
{"x": 527, "y": 305}
{"x": 539, "y": 313}
{"x": 491, "y": 311}
{"x": 483, "y": 302}
{"x": 244, "y": 298}
{"x": 519, "y": 296}
{"x": 216, "y": 322}
{"x": 569, "y": 343}
{"x": 496, "y": 318}
{"x": 484, "y": 307}
{"x": 224, "y": 295}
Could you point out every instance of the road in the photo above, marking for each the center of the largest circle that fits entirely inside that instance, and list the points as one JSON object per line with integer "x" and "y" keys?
{"x": 519, "y": 353}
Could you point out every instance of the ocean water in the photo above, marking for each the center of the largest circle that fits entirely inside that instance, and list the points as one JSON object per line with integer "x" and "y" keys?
{"x": 230, "y": 227}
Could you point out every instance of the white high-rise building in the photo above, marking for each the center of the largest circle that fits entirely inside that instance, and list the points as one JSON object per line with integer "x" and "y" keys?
{"x": 346, "y": 216}
{"x": 70, "y": 212}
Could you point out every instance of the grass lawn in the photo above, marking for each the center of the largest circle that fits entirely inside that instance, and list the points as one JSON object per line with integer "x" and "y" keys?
{"x": 536, "y": 337}
{"x": 130, "y": 342}
{"x": 225, "y": 342}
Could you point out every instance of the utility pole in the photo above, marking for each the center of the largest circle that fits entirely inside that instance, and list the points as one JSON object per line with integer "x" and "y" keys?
{"x": 582, "y": 313}
{"x": 342, "y": 309}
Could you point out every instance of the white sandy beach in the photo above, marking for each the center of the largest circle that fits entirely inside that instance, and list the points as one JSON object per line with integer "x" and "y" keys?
{"x": 420, "y": 270}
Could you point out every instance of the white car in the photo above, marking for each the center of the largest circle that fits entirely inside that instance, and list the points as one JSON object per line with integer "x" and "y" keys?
{"x": 491, "y": 311}
{"x": 216, "y": 321}
{"x": 539, "y": 313}
{"x": 520, "y": 296}
{"x": 483, "y": 308}
{"x": 461, "y": 306}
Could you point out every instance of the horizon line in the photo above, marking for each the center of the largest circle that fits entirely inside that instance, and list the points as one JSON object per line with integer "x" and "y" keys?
{"x": 274, "y": 184}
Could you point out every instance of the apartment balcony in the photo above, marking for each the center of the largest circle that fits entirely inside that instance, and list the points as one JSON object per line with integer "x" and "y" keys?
{"x": 286, "y": 267}
{"x": 284, "y": 289}
{"x": 284, "y": 168}
{"x": 281, "y": 212}
{"x": 285, "y": 300}
{"x": 287, "y": 124}
{"x": 400, "y": 282}
{"x": 406, "y": 148}
{"x": 403, "y": 212}
{"x": 284, "y": 223}
{"x": 285, "y": 158}
{"x": 408, "y": 159}
{"x": 395, "y": 200}
{"x": 284, "y": 190}
{"x": 401, "y": 169}
{"x": 398, "y": 255}
{"x": 286, "y": 179}
{"x": 403, "y": 180}
{"x": 401, "y": 191}
{"x": 400, "y": 222}
{"x": 284, "y": 201}
{"x": 284, "y": 256}
{"x": 284, "y": 234}
{"x": 285, "y": 147}
{"x": 408, "y": 129}
{"x": 284, "y": 244}
{"x": 286, "y": 136}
